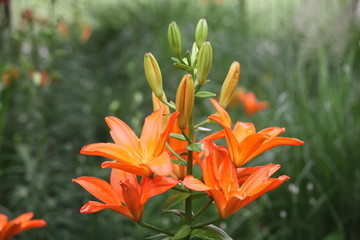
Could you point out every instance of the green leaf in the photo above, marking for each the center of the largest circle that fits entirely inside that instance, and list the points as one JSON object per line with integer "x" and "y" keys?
{"x": 195, "y": 147}
{"x": 203, "y": 129}
{"x": 182, "y": 66}
{"x": 174, "y": 199}
{"x": 178, "y": 136}
{"x": 188, "y": 57}
{"x": 183, "y": 232}
{"x": 204, "y": 94}
{"x": 199, "y": 195}
{"x": 177, "y": 212}
{"x": 178, "y": 162}
{"x": 157, "y": 236}
{"x": 210, "y": 232}
{"x": 175, "y": 59}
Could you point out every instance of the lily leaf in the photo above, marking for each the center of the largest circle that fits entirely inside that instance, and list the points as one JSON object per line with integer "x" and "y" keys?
{"x": 174, "y": 199}
{"x": 175, "y": 59}
{"x": 178, "y": 162}
{"x": 182, "y": 66}
{"x": 204, "y": 94}
{"x": 195, "y": 147}
{"x": 183, "y": 232}
{"x": 158, "y": 236}
{"x": 178, "y": 212}
{"x": 210, "y": 232}
{"x": 203, "y": 129}
{"x": 178, "y": 136}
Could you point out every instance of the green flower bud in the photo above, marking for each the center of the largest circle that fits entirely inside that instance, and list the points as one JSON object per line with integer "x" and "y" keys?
{"x": 174, "y": 37}
{"x": 153, "y": 74}
{"x": 230, "y": 84}
{"x": 204, "y": 62}
{"x": 185, "y": 100}
{"x": 201, "y": 32}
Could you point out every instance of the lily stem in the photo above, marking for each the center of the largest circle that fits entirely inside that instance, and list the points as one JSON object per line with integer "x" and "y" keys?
{"x": 175, "y": 154}
{"x": 201, "y": 210}
{"x": 189, "y": 170}
{"x": 202, "y": 123}
{"x": 157, "y": 229}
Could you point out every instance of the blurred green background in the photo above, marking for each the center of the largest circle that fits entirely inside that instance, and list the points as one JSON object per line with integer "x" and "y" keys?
{"x": 72, "y": 63}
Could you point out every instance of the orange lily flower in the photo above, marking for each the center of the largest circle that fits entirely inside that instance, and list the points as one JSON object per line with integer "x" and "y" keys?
{"x": 222, "y": 182}
{"x": 17, "y": 225}
{"x": 142, "y": 156}
{"x": 250, "y": 103}
{"x": 124, "y": 194}
{"x": 244, "y": 142}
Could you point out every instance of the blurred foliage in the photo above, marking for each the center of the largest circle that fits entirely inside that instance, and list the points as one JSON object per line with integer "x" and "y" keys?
{"x": 301, "y": 57}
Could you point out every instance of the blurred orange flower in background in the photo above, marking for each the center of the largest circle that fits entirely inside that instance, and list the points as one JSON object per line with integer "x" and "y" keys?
{"x": 23, "y": 222}
{"x": 10, "y": 75}
{"x": 123, "y": 195}
{"x": 63, "y": 29}
{"x": 250, "y": 103}
{"x": 85, "y": 33}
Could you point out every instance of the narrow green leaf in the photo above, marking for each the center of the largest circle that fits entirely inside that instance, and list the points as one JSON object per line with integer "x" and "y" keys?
{"x": 174, "y": 199}
{"x": 157, "y": 236}
{"x": 178, "y": 136}
{"x": 183, "y": 232}
{"x": 178, "y": 162}
{"x": 199, "y": 195}
{"x": 182, "y": 66}
{"x": 203, "y": 129}
{"x": 177, "y": 212}
{"x": 175, "y": 59}
{"x": 204, "y": 94}
{"x": 195, "y": 147}
{"x": 188, "y": 57}
{"x": 210, "y": 232}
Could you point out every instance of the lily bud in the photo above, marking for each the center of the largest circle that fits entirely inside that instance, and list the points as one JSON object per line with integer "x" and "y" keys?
{"x": 185, "y": 100}
{"x": 230, "y": 84}
{"x": 174, "y": 37}
{"x": 201, "y": 32}
{"x": 153, "y": 74}
{"x": 204, "y": 62}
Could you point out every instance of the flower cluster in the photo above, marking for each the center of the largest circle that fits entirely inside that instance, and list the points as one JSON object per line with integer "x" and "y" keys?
{"x": 164, "y": 155}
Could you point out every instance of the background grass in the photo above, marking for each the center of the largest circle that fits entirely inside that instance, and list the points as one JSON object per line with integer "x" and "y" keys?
{"x": 301, "y": 56}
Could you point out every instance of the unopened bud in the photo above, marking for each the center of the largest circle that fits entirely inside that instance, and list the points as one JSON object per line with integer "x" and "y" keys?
{"x": 204, "y": 62}
{"x": 201, "y": 32}
{"x": 185, "y": 100}
{"x": 230, "y": 84}
{"x": 174, "y": 37}
{"x": 153, "y": 74}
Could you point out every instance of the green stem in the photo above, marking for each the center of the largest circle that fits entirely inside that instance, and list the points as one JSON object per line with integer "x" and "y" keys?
{"x": 201, "y": 210}
{"x": 157, "y": 229}
{"x": 175, "y": 154}
{"x": 167, "y": 104}
{"x": 202, "y": 123}
{"x": 186, "y": 136}
{"x": 188, "y": 201}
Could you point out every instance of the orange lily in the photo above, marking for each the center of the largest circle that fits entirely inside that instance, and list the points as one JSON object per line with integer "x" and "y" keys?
{"x": 143, "y": 156}
{"x": 17, "y": 225}
{"x": 250, "y": 103}
{"x": 222, "y": 181}
{"x": 123, "y": 195}
{"x": 244, "y": 142}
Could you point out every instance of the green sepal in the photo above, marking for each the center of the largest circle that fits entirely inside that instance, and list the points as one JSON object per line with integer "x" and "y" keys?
{"x": 183, "y": 232}
{"x": 177, "y": 212}
{"x": 204, "y": 94}
{"x": 195, "y": 147}
{"x": 210, "y": 232}
{"x": 174, "y": 199}
{"x": 178, "y": 136}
